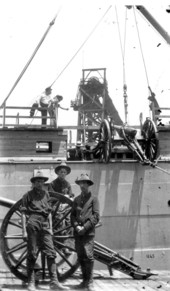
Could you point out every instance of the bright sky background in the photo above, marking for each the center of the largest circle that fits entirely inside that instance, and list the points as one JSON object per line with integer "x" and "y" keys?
{"x": 23, "y": 23}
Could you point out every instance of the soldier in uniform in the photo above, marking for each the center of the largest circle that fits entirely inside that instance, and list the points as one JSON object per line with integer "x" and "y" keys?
{"x": 84, "y": 217}
{"x": 35, "y": 206}
{"x": 60, "y": 184}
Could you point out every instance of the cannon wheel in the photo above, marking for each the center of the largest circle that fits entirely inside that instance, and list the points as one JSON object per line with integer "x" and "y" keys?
{"x": 14, "y": 247}
{"x": 105, "y": 138}
{"x": 149, "y": 132}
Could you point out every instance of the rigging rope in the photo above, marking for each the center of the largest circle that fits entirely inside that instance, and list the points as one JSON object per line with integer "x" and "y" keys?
{"x": 123, "y": 58}
{"x": 140, "y": 44}
{"x": 30, "y": 60}
{"x": 87, "y": 38}
{"x": 122, "y": 46}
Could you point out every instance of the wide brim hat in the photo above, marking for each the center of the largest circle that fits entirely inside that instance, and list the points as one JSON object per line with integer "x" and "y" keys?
{"x": 38, "y": 175}
{"x": 78, "y": 144}
{"x": 84, "y": 178}
{"x": 63, "y": 166}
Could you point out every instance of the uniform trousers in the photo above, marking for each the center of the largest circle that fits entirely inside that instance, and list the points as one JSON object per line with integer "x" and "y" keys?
{"x": 39, "y": 237}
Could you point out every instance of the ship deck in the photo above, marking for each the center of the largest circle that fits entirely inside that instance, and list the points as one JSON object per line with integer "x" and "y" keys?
{"x": 102, "y": 281}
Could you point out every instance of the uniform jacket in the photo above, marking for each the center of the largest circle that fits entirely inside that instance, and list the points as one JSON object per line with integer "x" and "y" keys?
{"x": 85, "y": 212}
{"x": 36, "y": 202}
{"x": 58, "y": 185}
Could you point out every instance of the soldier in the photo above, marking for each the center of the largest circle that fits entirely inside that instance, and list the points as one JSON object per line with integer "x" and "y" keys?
{"x": 60, "y": 184}
{"x": 84, "y": 217}
{"x": 35, "y": 205}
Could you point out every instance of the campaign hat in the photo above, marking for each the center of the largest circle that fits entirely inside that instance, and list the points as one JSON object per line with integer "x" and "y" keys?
{"x": 84, "y": 178}
{"x": 39, "y": 175}
{"x": 63, "y": 166}
{"x": 78, "y": 144}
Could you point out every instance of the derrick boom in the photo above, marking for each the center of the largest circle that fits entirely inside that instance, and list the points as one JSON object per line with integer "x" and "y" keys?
{"x": 153, "y": 22}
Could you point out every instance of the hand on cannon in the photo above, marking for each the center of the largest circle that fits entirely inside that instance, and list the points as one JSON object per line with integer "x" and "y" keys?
{"x": 80, "y": 229}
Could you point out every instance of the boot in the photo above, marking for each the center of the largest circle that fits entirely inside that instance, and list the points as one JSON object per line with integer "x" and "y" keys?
{"x": 54, "y": 283}
{"x": 89, "y": 275}
{"x": 31, "y": 280}
{"x": 83, "y": 284}
{"x": 31, "y": 275}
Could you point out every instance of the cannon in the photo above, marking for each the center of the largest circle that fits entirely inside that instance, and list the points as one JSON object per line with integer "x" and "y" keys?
{"x": 14, "y": 245}
{"x": 144, "y": 149}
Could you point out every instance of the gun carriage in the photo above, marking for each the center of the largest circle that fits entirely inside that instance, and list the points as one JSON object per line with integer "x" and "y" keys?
{"x": 144, "y": 148}
{"x": 14, "y": 245}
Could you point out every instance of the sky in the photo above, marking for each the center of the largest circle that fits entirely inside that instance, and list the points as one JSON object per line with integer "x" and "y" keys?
{"x": 60, "y": 60}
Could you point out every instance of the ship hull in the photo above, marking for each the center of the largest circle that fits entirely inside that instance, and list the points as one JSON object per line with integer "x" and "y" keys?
{"x": 133, "y": 203}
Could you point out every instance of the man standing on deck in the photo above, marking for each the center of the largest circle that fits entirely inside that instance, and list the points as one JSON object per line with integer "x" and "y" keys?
{"x": 47, "y": 104}
{"x": 84, "y": 217}
{"x": 38, "y": 230}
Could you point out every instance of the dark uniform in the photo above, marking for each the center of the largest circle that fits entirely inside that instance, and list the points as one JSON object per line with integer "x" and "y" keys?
{"x": 36, "y": 203}
{"x": 59, "y": 185}
{"x": 62, "y": 186}
{"x": 85, "y": 213}
{"x": 36, "y": 207}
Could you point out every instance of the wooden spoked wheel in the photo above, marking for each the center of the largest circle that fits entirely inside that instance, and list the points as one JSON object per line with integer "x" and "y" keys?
{"x": 105, "y": 140}
{"x": 14, "y": 247}
{"x": 151, "y": 144}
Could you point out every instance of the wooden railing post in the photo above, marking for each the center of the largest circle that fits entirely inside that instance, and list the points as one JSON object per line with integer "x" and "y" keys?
{"x": 4, "y": 114}
{"x": 17, "y": 119}
{"x": 153, "y": 113}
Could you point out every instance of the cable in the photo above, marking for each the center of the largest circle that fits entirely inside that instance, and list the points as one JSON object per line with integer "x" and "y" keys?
{"x": 123, "y": 58}
{"x": 141, "y": 47}
{"x": 124, "y": 44}
{"x": 30, "y": 60}
{"x": 87, "y": 38}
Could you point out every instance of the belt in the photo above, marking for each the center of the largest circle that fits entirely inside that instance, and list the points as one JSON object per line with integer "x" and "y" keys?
{"x": 40, "y": 216}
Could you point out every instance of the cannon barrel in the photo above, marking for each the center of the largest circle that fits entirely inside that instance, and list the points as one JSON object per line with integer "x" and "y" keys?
{"x": 6, "y": 202}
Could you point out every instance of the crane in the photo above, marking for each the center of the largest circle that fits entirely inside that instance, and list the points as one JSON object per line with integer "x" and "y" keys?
{"x": 153, "y": 22}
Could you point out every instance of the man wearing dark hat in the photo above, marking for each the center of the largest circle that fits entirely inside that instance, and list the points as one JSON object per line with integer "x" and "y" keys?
{"x": 35, "y": 206}
{"x": 84, "y": 217}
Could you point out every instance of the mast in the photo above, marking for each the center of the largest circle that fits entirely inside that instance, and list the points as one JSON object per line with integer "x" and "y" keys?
{"x": 154, "y": 23}
{"x": 30, "y": 60}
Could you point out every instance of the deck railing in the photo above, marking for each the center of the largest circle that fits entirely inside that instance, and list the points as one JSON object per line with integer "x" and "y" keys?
{"x": 158, "y": 114}
{"x": 11, "y": 117}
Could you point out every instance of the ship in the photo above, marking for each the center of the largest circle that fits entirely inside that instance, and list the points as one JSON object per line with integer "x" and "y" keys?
{"x": 130, "y": 166}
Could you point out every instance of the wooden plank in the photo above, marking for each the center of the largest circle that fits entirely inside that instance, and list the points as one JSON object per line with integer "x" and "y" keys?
{"x": 23, "y": 143}
{"x": 101, "y": 282}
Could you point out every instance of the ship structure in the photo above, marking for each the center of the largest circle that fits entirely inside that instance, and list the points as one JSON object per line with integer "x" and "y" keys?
{"x": 130, "y": 167}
